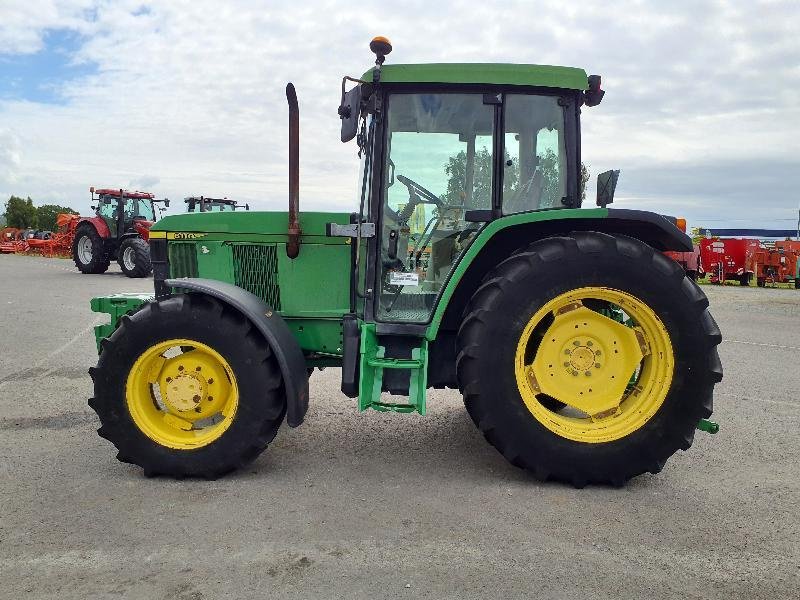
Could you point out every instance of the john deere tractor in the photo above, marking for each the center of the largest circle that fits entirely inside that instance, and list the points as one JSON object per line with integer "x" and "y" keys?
{"x": 583, "y": 353}
{"x": 118, "y": 231}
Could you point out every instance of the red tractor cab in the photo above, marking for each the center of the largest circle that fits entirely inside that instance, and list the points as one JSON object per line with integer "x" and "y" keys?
{"x": 119, "y": 231}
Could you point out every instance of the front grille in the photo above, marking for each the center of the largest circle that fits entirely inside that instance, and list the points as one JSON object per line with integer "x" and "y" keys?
{"x": 255, "y": 268}
{"x": 182, "y": 259}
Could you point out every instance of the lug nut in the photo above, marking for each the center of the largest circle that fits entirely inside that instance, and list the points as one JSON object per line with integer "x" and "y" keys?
{"x": 197, "y": 409}
{"x": 596, "y": 365}
{"x": 211, "y": 398}
{"x": 567, "y": 352}
{"x": 210, "y": 381}
{"x": 588, "y": 373}
{"x": 180, "y": 367}
{"x": 576, "y": 343}
{"x": 198, "y": 368}
{"x": 589, "y": 343}
{"x": 574, "y": 373}
{"x": 566, "y": 363}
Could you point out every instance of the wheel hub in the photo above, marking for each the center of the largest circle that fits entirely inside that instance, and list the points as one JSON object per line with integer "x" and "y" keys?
{"x": 185, "y": 392}
{"x": 581, "y": 356}
{"x": 586, "y": 360}
{"x": 182, "y": 399}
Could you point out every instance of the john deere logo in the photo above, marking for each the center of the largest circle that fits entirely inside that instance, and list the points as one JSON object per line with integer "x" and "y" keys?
{"x": 187, "y": 236}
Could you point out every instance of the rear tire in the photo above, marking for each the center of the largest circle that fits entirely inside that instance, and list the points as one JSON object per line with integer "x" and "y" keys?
{"x": 517, "y": 289}
{"x": 134, "y": 258}
{"x": 89, "y": 252}
{"x": 255, "y": 377}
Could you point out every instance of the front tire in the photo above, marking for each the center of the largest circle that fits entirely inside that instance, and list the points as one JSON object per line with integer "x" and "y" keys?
{"x": 89, "y": 252}
{"x": 134, "y": 258}
{"x": 200, "y": 412}
{"x": 518, "y": 333}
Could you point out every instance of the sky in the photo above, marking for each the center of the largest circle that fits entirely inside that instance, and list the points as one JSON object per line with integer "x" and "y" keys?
{"x": 701, "y": 112}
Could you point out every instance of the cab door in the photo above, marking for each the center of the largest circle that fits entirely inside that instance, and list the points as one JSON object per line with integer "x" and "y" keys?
{"x": 439, "y": 164}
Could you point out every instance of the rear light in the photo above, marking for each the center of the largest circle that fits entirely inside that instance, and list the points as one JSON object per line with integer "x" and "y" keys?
{"x": 680, "y": 223}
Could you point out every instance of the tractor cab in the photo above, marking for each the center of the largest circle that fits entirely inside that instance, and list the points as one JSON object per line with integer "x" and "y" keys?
{"x": 449, "y": 148}
{"x": 203, "y": 204}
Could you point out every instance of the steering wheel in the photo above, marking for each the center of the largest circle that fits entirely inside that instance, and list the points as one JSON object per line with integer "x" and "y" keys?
{"x": 416, "y": 195}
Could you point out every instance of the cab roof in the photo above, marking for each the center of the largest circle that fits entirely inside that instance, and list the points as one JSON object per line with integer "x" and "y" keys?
{"x": 489, "y": 73}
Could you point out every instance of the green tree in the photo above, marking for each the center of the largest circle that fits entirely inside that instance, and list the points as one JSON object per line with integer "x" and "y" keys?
{"x": 47, "y": 214}
{"x": 583, "y": 180}
{"x": 456, "y": 170}
{"x": 20, "y": 213}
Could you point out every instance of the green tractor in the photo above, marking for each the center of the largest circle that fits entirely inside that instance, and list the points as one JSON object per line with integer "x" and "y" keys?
{"x": 583, "y": 353}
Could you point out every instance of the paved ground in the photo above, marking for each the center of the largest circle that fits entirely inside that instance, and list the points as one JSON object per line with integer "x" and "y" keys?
{"x": 385, "y": 506}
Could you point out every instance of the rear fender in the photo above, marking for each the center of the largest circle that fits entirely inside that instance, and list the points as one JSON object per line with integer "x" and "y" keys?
{"x": 275, "y": 331}
{"x": 498, "y": 239}
{"x": 98, "y": 223}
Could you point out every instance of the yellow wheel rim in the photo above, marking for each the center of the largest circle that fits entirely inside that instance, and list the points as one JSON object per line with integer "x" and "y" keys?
{"x": 613, "y": 376}
{"x": 182, "y": 394}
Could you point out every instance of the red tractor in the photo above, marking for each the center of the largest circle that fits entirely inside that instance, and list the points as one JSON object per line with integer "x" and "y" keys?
{"x": 118, "y": 231}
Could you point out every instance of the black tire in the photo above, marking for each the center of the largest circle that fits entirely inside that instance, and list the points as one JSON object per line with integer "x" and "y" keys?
{"x": 744, "y": 280}
{"x": 134, "y": 257}
{"x": 761, "y": 282}
{"x": 797, "y": 283}
{"x": 97, "y": 260}
{"x": 262, "y": 401}
{"x": 513, "y": 291}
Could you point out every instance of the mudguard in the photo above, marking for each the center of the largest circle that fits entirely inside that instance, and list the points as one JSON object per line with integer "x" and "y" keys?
{"x": 98, "y": 223}
{"x": 657, "y": 230}
{"x": 275, "y": 331}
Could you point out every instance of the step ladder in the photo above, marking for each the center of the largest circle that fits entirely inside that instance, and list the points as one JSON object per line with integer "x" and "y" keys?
{"x": 373, "y": 363}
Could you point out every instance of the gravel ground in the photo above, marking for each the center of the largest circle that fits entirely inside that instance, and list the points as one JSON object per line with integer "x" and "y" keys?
{"x": 385, "y": 505}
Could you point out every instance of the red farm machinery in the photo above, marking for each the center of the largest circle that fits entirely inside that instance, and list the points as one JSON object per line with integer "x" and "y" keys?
{"x": 743, "y": 259}
{"x": 119, "y": 231}
{"x": 778, "y": 262}
{"x": 690, "y": 261}
{"x": 728, "y": 259}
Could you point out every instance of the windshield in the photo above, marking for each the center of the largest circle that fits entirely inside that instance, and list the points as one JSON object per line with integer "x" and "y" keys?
{"x": 139, "y": 208}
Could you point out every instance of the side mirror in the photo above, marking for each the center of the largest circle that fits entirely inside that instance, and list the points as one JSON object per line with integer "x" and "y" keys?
{"x": 93, "y": 207}
{"x": 606, "y": 184}
{"x": 349, "y": 112}
{"x": 594, "y": 95}
{"x": 166, "y": 202}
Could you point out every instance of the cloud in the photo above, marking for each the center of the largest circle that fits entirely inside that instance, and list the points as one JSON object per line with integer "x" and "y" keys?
{"x": 144, "y": 182}
{"x": 191, "y": 93}
{"x": 10, "y": 156}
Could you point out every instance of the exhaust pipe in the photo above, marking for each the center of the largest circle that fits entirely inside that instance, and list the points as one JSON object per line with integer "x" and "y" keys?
{"x": 293, "y": 243}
